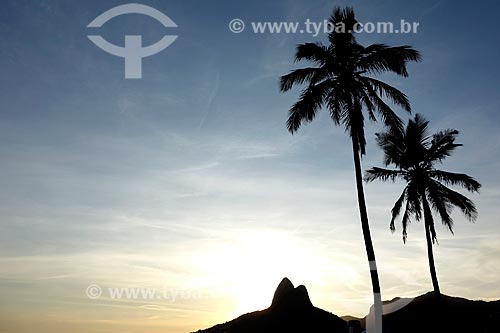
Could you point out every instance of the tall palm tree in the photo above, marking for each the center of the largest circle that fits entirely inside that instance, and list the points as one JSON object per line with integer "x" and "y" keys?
{"x": 342, "y": 82}
{"x": 415, "y": 154}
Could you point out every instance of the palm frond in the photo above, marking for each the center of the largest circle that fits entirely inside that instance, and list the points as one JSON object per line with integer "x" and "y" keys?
{"x": 397, "y": 209}
{"x": 460, "y": 179}
{"x": 440, "y": 204}
{"x": 417, "y": 132}
{"x": 392, "y": 144}
{"x": 382, "y": 174}
{"x": 459, "y": 200}
{"x": 416, "y": 141}
{"x": 379, "y": 58}
{"x": 305, "y": 109}
{"x": 389, "y": 118}
{"x": 336, "y": 103}
{"x": 345, "y": 17}
{"x": 369, "y": 106}
{"x": 442, "y": 145}
{"x": 414, "y": 199}
{"x": 315, "y": 52}
{"x": 299, "y": 76}
{"x": 386, "y": 90}
{"x": 406, "y": 220}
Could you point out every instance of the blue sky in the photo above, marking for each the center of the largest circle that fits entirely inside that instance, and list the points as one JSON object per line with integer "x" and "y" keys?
{"x": 188, "y": 179}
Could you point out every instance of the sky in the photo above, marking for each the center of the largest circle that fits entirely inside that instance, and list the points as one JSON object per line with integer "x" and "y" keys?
{"x": 186, "y": 182}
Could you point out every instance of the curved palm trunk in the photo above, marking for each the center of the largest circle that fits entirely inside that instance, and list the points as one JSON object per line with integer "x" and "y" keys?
{"x": 430, "y": 254}
{"x": 377, "y": 297}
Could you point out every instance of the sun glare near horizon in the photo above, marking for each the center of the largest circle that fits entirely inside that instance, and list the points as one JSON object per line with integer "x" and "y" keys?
{"x": 248, "y": 267}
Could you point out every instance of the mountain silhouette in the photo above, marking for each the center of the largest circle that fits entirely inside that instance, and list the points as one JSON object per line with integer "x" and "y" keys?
{"x": 427, "y": 313}
{"x": 291, "y": 311}
{"x": 430, "y": 314}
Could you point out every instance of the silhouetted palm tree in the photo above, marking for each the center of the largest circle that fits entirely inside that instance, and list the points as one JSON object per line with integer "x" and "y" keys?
{"x": 341, "y": 81}
{"x": 414, "y": 154}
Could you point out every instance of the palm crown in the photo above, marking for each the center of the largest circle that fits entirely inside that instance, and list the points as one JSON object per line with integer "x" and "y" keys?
{"x": 415, "y": 155}
{"x": 341, "y": 80}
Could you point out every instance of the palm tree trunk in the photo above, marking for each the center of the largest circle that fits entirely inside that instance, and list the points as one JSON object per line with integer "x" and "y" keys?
{"x": 377, "y": 297}
{"x": 430, "y": 254}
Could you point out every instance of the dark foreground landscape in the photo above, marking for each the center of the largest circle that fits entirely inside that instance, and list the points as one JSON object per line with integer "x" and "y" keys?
{"x": 292, "y": 311}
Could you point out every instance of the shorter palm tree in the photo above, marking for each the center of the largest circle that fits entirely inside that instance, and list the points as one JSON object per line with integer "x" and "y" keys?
{"x": 415, "y": 154}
